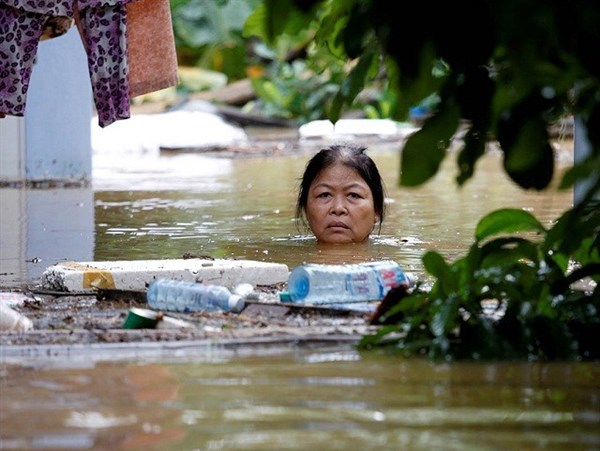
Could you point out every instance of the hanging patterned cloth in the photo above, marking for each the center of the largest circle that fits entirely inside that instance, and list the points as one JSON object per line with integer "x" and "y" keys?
{"x": 102, "y": 25}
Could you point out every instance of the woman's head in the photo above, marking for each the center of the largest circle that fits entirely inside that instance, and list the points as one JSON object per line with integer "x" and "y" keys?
{"x": 341, "y": 195}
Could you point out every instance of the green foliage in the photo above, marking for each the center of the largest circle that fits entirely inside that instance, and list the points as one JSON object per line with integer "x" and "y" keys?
{"x": 208, "y": 34}
{"x": 435, "y": 137}
{"x": 509, "y": 72}
{"x": 509, "y": 297}
{"x": 318, "y": 82}
{"x": 292, "y": 91}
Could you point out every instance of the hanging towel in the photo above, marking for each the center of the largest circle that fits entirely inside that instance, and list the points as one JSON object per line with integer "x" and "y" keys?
{"x": 151, "y": 47}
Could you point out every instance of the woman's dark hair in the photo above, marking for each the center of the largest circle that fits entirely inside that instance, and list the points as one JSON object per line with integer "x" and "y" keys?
{"x": 349, "y": 155}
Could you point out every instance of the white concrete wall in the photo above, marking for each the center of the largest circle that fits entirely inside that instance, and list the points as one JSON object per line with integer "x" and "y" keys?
{"x": 582, "y": 150}
{"x": 53, "y": 141}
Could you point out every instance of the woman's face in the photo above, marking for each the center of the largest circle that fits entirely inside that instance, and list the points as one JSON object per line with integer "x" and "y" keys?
{"x": 339, "y": 207}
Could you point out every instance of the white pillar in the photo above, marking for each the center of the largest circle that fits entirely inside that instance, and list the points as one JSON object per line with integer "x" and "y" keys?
{"x": 582, "y": 149}
{"x": 52, "y": 143}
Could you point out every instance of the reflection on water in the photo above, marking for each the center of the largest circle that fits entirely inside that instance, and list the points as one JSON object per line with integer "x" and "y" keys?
{"x": 39, "y": 227}
{"x": 304, "y": 399}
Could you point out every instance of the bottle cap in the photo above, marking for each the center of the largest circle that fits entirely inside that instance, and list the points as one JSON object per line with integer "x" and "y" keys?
{"x": 285, "y": 296}
{"x": 236, "y": 303}
{"x": 243, "y": 289}
{"x": 246, "y": 291}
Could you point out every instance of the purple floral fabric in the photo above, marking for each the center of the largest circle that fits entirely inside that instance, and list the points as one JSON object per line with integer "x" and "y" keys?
{"x": 45, "y": 7}
{"x": 104, "y": 32}
{"x": 19, "y": 37}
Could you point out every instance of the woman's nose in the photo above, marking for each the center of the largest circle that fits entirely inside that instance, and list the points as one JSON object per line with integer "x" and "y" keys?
{"x": 338, "y": 206}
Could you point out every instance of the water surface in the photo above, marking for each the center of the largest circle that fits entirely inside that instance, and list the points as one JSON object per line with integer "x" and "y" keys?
{"x": 256, "y": 398}
{"x": 166, "y": 205}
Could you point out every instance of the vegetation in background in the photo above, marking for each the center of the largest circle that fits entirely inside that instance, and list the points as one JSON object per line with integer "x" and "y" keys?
{"x": 292, "y": 78}
{"x": 208, "y": 34}
{"x": 503, "y": 70}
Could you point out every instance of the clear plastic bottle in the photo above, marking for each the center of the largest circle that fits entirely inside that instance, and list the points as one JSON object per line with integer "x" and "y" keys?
{"x": 340, "y": 284}
{"x": 181, "y": 296}
{"x": 11, "y": 320}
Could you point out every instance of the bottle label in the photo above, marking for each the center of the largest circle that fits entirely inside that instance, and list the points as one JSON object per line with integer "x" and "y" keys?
{"x": 389, "y": 279}
{"x": 363, "y": 285}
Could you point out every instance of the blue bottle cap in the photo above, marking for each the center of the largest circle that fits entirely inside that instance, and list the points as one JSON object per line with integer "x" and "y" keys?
{"x": 284, "y": 296}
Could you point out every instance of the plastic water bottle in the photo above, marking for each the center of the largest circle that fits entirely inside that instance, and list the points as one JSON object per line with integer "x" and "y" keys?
{"x": 340, "y": 284}
{"x": 181, "y": 296}
{"x": 11, "y": 320}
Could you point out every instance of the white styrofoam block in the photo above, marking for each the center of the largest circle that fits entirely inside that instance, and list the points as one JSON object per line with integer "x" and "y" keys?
{"x": 316, "y": 128}
{"x": 135, "y": 275}
{"x": 366, "y": 127}
{"x": 356, "y": 127}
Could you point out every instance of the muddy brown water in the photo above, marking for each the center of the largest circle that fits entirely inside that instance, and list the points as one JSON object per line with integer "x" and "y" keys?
{"x": 263, "y": 384}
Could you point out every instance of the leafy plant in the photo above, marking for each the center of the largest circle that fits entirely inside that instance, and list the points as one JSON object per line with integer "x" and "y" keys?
{"x": 208, "y": 34}
{"x": 292, "y": 91}
{"x": 509, "y": 297}
{"x": 302, "y": 80}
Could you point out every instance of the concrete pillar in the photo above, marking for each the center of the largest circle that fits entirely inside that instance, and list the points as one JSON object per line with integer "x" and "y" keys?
{"x": 52, "y": 143}
{"x": 582, "y": 148}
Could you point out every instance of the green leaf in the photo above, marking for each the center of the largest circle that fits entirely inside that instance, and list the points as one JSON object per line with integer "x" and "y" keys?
{"x": 358, "y": 76}
{"x": 474, "y": 148}
{"x": 278, "y": 17}
{"x": 256, "y": 24}
{"x": 414, "y": 90}
{"x": 585, "y": 169}
{"x": 425, "y": 150}
{"x": 506, "y": 221}
{"x": 435, "y": 264}
{"x": 507, "y": 251}
{"x": 523, "y": 136}
{"x": 356, "y": 30}
{"x": 444, "y": 318}
{"x": 352, "y": 85}
{"x": 530, "y": 162}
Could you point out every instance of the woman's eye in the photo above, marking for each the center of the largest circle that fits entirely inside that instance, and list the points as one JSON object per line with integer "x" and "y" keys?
{"x": 354, "y": 195}
{"x": 323, "y": 195}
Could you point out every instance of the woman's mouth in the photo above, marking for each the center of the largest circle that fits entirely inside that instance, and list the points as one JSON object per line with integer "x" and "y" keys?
{"x": 337, "y": 225}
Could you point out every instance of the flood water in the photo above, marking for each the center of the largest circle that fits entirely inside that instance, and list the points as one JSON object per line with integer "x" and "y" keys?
{"x": 302, "y": 399}
{"x": 212, "y": 397}
{"x": 171, "y": 204}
